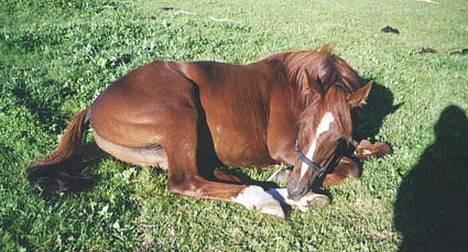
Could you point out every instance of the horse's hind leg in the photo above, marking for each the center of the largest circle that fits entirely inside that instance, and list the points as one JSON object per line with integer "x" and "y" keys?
{"x": 185, "y": 178}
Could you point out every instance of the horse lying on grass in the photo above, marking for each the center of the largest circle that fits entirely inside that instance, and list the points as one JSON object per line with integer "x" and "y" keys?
{"x": 188, "y": 118}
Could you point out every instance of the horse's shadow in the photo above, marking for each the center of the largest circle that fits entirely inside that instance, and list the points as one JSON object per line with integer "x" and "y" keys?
{"x": 368, "y": 120}
{"x": 431, "y": 210}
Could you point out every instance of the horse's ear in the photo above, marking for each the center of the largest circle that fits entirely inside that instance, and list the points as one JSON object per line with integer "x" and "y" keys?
{"x": 312, "y": 85}
{"x": 358, "y": 97}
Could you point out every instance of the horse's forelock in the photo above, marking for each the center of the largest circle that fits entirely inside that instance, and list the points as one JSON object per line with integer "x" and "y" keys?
{"x": 335, "y": 103}
{"x": 323, "y": 68}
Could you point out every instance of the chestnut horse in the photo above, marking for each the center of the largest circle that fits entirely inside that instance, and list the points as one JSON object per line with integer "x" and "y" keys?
{"x": 291, "y": 107}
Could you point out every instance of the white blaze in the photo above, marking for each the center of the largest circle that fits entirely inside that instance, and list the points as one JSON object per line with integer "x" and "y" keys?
{"x": 323, "y": 127}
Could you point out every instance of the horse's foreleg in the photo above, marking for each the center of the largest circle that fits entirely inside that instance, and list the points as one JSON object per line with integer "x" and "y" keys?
{"x": 250, "y": 196}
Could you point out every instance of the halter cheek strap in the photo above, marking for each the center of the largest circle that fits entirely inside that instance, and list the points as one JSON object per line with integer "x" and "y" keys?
{"x": 306, "y": 160}
{"x": 321, "y": 172}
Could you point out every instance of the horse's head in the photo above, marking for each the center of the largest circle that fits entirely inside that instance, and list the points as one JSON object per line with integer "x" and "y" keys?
{"x": 331, "y": 89}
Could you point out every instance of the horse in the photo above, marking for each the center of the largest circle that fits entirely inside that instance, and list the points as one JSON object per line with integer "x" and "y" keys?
{"x": 187, "y": 118}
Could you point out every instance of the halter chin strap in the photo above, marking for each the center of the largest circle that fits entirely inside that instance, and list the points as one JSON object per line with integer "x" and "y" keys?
{"x": 321, "y": 172}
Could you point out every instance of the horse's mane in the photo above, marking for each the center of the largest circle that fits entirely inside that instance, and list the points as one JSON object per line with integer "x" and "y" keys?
{"x": 330, "y": 73}
{"x": 322, "y": 67}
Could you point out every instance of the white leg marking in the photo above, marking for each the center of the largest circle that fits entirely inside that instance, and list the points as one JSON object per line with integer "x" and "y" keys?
{"x": 323, "y": 127}
{"x": 310, "y": 200}
{"x": 255, "y": 197}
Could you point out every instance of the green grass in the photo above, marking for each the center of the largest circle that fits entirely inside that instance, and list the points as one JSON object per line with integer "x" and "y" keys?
{"x": 56, "y": 56}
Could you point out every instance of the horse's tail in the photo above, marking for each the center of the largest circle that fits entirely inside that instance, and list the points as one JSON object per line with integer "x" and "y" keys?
{"x": 56, "y": 172}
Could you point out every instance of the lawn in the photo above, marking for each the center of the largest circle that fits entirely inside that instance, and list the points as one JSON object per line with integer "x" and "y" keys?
{"x": 56, "y": 56}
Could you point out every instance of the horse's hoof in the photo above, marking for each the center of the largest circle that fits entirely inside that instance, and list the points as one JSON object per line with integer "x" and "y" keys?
{"x": 312, "y": 200}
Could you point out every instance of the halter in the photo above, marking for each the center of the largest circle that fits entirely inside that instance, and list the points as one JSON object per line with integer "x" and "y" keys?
{"x": 321, "y": 172}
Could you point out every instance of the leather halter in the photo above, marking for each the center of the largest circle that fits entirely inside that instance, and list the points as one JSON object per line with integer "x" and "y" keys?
{"x": 321, "y": 172}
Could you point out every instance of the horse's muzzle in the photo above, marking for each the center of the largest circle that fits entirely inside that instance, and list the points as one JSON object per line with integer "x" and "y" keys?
{"x": 295, "y": 192}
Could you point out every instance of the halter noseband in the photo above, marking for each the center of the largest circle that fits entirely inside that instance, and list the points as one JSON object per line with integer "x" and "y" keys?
{"x": 321, "y": 172}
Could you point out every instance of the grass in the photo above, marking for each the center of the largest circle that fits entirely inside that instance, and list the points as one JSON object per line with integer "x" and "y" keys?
{"x": 56, "y": 56}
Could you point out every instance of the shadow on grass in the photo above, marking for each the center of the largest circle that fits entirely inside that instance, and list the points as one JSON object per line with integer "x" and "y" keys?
{"x": 369, "y": 119}
{"x": 42, "y": 107}
{"x": 431, "y": 210}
